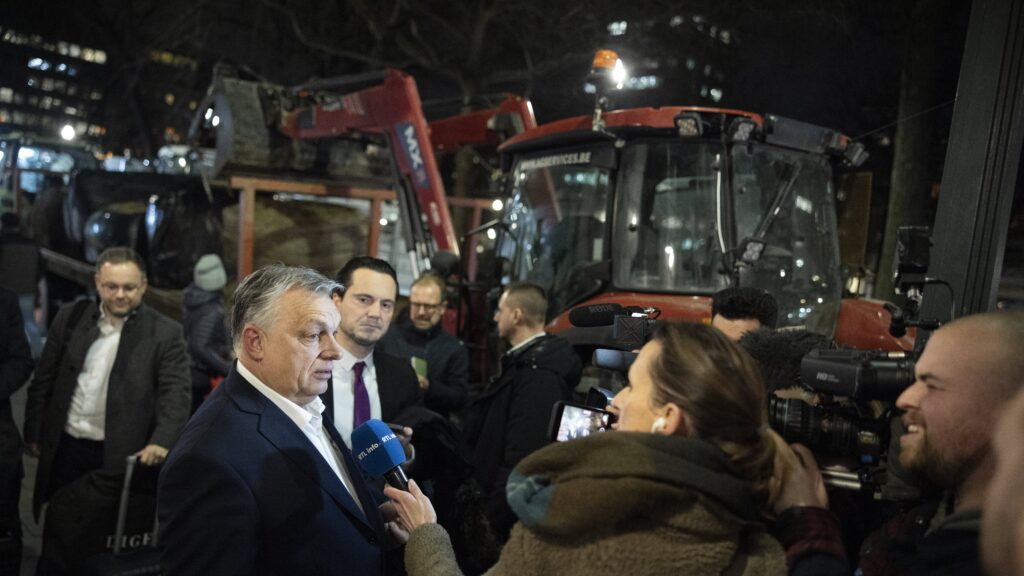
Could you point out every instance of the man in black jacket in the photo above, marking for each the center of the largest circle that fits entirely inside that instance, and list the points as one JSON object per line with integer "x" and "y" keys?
{"x": 417, "y": 334}
{"x": 510, "y": 419}
{"x": 113, "y": 381}
{"x": 15, "y": 368}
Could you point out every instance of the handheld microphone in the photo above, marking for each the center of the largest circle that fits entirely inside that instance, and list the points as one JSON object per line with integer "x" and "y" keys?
{"x": 380, "y": 453}
{"x": 595, "y": 315}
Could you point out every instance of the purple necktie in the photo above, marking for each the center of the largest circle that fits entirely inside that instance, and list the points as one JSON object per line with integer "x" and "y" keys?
{"x": 361, "y": 407}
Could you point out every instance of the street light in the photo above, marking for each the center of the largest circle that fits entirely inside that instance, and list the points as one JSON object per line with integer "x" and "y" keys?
{"x": 67, "y": 132}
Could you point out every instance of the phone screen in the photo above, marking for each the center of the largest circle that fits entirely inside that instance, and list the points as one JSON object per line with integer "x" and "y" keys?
{"x": 579, "y": 421}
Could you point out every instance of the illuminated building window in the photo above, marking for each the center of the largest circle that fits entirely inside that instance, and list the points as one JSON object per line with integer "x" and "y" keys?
{"x": 716, "y": 94}
{"x": 6, "y": 95}
{"x": 38, "y": 64}
{"x": 617, "y": 28}
{"x": 169, "y": 99}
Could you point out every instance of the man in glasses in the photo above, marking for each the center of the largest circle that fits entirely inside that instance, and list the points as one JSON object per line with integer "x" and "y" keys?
{"x": 440, "y": 359}
{"x": 113, "y": 381}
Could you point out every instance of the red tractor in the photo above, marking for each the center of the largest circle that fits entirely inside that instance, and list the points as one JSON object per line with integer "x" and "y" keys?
{"x": 661, "y": 207}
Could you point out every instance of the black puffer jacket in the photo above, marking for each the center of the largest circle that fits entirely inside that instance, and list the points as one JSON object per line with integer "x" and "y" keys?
{"x": 209, "y": 344}
{"x": 510, "y": 419}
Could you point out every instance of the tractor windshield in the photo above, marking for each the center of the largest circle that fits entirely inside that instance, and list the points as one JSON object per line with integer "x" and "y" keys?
{"x": 666, "y": 237}
{"x": 678, "y": 206}
{"x": 785, "y": 199}
{"x": 557, "y": 223}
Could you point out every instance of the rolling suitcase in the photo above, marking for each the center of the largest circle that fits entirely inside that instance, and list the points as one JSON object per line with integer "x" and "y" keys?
{"x": 143, "y": 558}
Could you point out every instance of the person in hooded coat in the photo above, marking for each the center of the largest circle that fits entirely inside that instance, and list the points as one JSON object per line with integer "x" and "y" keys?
{"x": 679, "y": 488}
{"x": 206, "y": 331}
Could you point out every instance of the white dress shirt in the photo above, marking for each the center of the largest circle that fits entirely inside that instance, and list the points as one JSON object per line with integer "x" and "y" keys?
{"x": 525, "y": 343}
{"x": 87, "y": 415}
{"x": 310, "y": 421}
{"x": 343, "y": 392}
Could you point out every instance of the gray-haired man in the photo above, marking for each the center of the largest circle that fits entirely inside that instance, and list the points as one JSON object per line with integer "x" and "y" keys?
{"x": 261, "y": 482}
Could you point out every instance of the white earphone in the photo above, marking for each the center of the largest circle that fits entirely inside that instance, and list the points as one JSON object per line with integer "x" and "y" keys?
{"x": 658, "y": 425}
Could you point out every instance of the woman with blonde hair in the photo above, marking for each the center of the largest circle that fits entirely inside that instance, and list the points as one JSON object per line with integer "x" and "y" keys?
{"x": 678, "y": 489}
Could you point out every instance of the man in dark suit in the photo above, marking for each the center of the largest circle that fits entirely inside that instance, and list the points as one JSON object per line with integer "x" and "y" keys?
{"x": 113, "y": 381}
{"x": 368, "y": 383}
{"x": 15, "y": 368}
{"x": 260, "y": 482}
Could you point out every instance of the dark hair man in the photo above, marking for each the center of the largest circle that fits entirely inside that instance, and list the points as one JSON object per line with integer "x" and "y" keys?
{"x": 967, "y": 370}
{"x": 367, "y": 383}
{"x": 510, "y": 418}
{"x": 113, "y": 381}
{"x": 15, "y": 368}
{"x": 417, "y": 334}
{"x": 736, "y": 311}
{"x": 261, "y": 482}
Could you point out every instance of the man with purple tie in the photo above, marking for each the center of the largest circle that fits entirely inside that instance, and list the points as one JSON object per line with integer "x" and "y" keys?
{"x": 366, "y": 383}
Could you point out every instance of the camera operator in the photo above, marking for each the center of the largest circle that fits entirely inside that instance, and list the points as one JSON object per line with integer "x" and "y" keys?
{"x": 678, "y": 489}
{"x": 968, "y": 368}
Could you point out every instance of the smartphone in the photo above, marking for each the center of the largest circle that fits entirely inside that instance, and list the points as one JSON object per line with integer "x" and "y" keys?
{"x": 599, "y": 397}
{"x": 570, "y": 420}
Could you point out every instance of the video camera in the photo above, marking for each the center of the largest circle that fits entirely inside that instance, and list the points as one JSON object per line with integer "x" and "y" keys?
{"x": 855, "y": 389}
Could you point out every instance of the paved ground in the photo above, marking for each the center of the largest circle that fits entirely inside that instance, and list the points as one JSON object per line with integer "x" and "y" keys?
{"x": 32, "y": 533}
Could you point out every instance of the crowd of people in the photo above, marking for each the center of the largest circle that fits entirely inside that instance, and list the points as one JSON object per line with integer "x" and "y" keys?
{"x": 248, "y": 411}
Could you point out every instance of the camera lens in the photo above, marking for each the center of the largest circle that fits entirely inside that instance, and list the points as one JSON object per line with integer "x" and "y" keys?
{"x": 814, "y": 426}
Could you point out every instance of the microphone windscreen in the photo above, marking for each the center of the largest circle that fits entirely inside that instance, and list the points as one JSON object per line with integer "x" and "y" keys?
{"x": 595, "y": 315}
{"x": 376, "y": 448}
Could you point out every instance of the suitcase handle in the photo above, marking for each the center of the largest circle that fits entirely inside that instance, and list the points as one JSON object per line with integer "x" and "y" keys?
{"x": 122, "y": 509}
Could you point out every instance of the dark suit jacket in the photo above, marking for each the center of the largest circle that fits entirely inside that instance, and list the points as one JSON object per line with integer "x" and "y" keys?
{"x": 15, "y": 368}
{"x": 396, "y": 383}
{"x": 245, "y": 492}
{"x": 148, "y": 395}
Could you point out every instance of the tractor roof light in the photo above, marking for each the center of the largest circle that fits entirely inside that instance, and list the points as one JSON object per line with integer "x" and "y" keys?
{"x": 689, "y": 124}
{"x": 855, "y": 154}
{"x": 740, "y": 129}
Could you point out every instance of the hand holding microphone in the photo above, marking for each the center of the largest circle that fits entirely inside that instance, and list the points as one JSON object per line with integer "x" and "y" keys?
{"x": 380, "y": 454}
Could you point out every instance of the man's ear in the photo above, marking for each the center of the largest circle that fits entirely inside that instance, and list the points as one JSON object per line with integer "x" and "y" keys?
{"x": 676, "y": 421}
{"x": 253, "y": 344}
